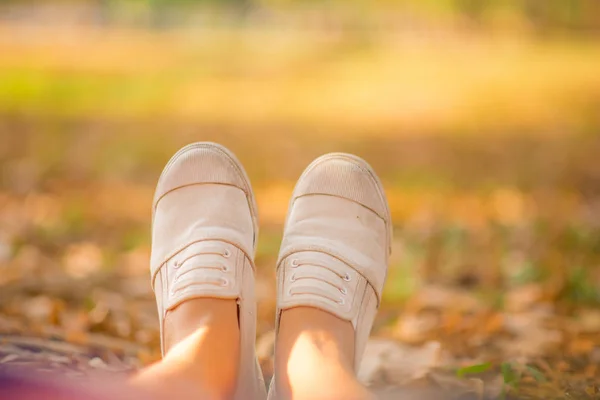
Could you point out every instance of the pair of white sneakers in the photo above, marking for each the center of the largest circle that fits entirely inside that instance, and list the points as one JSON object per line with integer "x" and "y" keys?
{"x": 333, "y": 257}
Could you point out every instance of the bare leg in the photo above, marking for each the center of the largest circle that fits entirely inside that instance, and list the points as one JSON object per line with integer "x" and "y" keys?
{"x": 204, "y": 227}
{"x": 202, "y": 353}
{"x": 314, "y": 357}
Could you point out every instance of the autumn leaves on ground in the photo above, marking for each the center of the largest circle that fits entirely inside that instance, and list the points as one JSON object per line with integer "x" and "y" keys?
{"x": 487, "y": 145}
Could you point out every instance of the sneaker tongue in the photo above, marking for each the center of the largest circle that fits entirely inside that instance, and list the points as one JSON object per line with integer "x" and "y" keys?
{"x": 317, "y": 279}
{"x": 203, "y": 269}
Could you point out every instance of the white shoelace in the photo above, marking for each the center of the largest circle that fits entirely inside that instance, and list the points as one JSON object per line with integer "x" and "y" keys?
{"x": 196, "y": 262}
{"x": 299, "y": 289}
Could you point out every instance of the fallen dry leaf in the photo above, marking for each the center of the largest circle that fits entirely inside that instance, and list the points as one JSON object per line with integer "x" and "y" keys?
{"x": 523, "y": 297}
{"x": 415, "y": 328}
{"x": 82, "y": 259}
{"x": 388, "y": 362}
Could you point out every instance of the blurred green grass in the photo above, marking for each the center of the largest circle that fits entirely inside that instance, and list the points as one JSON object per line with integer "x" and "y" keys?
{"x": 242, "y": 78}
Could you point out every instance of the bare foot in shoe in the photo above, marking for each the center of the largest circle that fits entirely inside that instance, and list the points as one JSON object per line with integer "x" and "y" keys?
{"x": 203, "y": 243}
{"x": 330, "y": 274}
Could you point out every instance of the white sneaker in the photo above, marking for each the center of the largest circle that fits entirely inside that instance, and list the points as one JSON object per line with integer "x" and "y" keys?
{"x": 204, "y": 236}
{"x": 336, "y": 244}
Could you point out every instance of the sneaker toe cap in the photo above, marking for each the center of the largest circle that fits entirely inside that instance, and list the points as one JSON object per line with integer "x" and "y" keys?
{"x": 344, "y": 176}
{"x": 201, "y": 163}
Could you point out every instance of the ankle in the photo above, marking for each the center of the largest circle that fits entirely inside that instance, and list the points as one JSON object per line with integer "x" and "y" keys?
{"x": 215, "y": 315}
{"x": 314, "y": 356}
{"x": 202, "y": 342}
{"x": 321, "y": 334}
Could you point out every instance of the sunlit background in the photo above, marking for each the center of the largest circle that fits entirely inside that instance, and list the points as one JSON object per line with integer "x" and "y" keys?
{"x": 481, "y": 117}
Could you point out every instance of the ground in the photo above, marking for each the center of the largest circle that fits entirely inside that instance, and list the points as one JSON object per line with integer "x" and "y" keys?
{"x": 489, "y": 163}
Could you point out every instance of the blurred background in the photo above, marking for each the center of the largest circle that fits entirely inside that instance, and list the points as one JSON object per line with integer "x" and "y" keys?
{"x": 482, "y": 118}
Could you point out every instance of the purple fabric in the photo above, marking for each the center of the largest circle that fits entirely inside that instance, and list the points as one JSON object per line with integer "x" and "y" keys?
{"x": 21, "y": 386}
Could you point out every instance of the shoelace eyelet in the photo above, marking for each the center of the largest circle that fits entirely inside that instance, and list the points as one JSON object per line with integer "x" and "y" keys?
{"x": 341, "y": 302}
{"x": 294, "y": 263}
{"x": 227, "y": 253}
{"x": 293, "y": 278}
{"x": 225, "y": 268}
{"x": 344, "y": 291}
{"x": 347, "y": 277}
{"x": 225, "y": 282}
